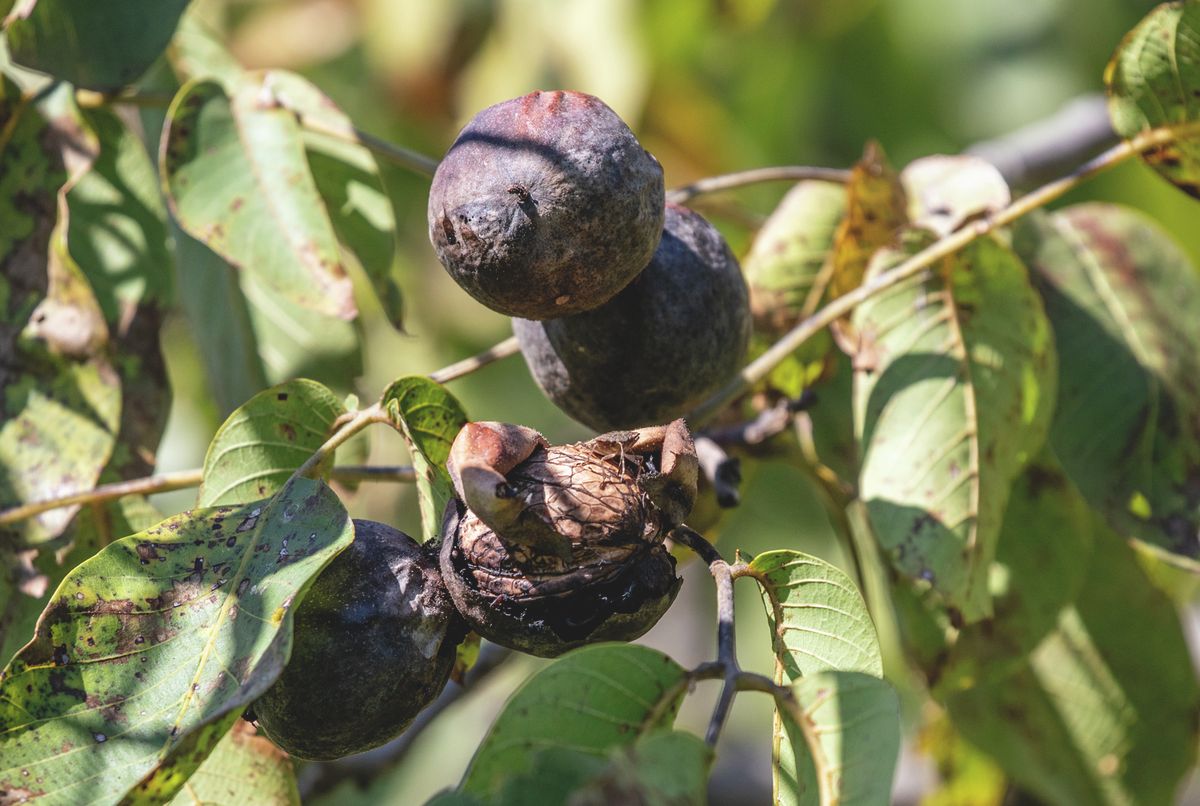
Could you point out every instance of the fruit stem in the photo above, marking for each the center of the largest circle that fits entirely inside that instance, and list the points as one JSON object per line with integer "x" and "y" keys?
{"x": 181, "y": 480}
{"x": 478, "y": 361}
{"x": 760, "y": 367}
{"x": 726, "y": 640}
{"x": 404, "y": 157}
{"x": 754, "y": 176}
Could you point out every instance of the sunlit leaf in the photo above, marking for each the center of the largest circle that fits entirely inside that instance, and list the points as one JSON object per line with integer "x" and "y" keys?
{"x": 243, "y": 768}
{"x": 787, "y": 267}
{"x": 61, "y": 395}
{"x": 953, "y": 395}
{"x": 818, "y": 618}
{"x": 263, "y": 442}
{"x": 875, "y": 211}
{"x": 100, "y": 46}
{"x": 428, "y": 417}
{"x": 1105, "y": 710}
{"x": 348, "y": 180}
{"x": 943, "y": 191}
{"x": 1122, "y": 298}
{"x": 1042, "y": 557}
{"x": 196, "y": 51}
{"x": 236, "y": 175}
{"x": 1153, "y": 81}
{"x": 151, "y": 649}
{"x": 840, "y": 743}
{"x": 590, "y": 701}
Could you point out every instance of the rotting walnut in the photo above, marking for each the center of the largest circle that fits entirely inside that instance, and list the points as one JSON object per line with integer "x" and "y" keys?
{"x": 548, "y": 547}
{"x": 546, "y": 205}
{"x": 375, "y": 640}
{"x": 657, "y": 349}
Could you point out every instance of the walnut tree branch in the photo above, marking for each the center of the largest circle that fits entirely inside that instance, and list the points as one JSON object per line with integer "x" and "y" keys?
{"x": 758, "y": 369}
{"x": 726, "y": 640}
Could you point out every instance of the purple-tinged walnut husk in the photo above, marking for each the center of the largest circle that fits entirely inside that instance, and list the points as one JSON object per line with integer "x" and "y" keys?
{"x": 375, "y": 641}
{"x": 657, "y": 349}
{"x": 548, "y": 547}
{"x": 546, "y": 205}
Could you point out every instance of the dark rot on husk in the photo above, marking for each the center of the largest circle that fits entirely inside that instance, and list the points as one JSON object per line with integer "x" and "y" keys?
{"x": 657, "y": 349}
{"x": 551, "y": 547}
{"x": 546, "y": 205}
{"x": 375, "y": 641}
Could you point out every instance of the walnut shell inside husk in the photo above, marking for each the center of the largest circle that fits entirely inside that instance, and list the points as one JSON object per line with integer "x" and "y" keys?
{"x": 551, "y": 547}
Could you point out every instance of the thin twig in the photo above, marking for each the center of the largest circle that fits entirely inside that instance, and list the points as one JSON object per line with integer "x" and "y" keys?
{"x": 781, "y": 173}
{"x": 726, "y": 640}
{"x": 160, "y": 483}
{"x": 478, "y": 361}
{"x": 183, "y": 479}
{"x": 404, "y": 157}
{"x": 806, "y": 329}
{"x": 318, "y": 778}
{"x": 346, "y": 427}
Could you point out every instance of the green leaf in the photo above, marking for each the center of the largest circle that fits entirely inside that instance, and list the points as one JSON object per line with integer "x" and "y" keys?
{"x": 348, "y": 180}
{"x": 789, "y": 253}
{"x": 151, "y": 649}
{"x": 1105, "y": 710}
{"x": 839, "y": 743}
{"x": 294, "y": 341}
{"x": 661, "y": 768}
{"x": 1122, "y": 298}
{"x": 100, "y": 46}
{"x": 196, "y": 51}
{"x": 262, "y": 443}
{"x": 1045, "y": 545}
{"x": 118, "y": 229}
{"x": 591, "y": 700}
{"x": 1153, "y": 81}
{"x": 429, "y": 418}
{"x": 818, "y": 618}
{"x": 221, "y": 322}
{"x": 243, "y": 768}
{"x": 61, "y": 395}
{"x": 953, "y": 395}
{"x": 235, "y": 174}
{"x": 37, "y": 577}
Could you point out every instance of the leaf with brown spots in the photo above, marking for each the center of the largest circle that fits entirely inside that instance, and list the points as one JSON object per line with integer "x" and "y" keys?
{"x": 243, "y": 768}
{"x": 259, "y": 446}
{"x": 61, "y": 398}
{"x": 1153, "y": 82}
{"x": 151, "y": 649}
{"x": 429, "y": 418}
{"x": 236, "y": 176}
{"x": 875, "y": 210}
{"x": 1123, "y": 299}
{"x": 957, "y": 402}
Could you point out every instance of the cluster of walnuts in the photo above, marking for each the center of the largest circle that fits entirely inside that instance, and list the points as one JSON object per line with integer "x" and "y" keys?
{"x": 629, "y": 312}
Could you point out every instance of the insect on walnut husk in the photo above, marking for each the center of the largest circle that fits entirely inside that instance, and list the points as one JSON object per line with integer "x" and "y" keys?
{"x": 548, "y": 547}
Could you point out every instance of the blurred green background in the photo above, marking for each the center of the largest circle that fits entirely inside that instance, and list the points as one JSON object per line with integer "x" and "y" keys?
{"x": 709, "y": 86}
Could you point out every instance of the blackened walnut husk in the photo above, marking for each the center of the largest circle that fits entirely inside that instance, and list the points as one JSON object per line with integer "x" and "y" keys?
{"x": 375, "y": 640}
{"x": 551, "y": 547}
{"x": 660, "y": 347}
{"x": 546, "y": 205}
